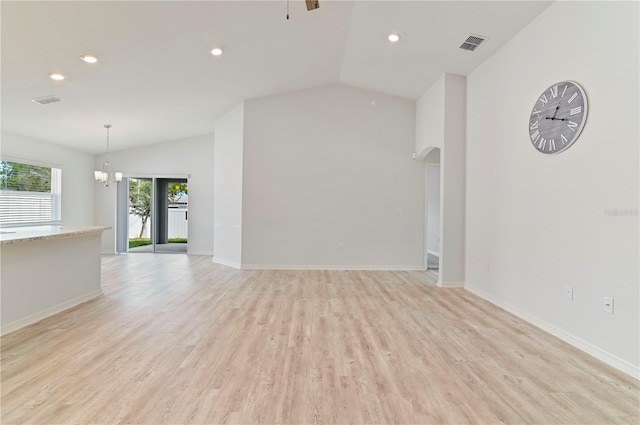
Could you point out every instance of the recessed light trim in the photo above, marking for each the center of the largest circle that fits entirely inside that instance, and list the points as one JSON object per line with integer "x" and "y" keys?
{"x": 394, "y": 38}
{"x": 56, "y": 76}
{"x": 216, "y": 52}
{"x": 89, "y": 58}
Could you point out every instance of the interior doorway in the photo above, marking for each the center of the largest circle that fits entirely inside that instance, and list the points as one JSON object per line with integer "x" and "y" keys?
{"x": 432, "y": 251}
{"x": 154, "y": 214}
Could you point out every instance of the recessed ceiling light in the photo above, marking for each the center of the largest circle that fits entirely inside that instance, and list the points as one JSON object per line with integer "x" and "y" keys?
{"x": 89, "y": 58}
{"x": 394, "y": 38}
{"x": 56, "y": 76}
{"x": 216, "y": 52}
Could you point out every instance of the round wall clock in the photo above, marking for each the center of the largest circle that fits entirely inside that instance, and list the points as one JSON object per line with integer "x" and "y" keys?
{"x": 557, "y": 117}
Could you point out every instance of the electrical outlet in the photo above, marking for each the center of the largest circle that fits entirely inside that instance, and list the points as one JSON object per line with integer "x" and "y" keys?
{"x": 607, "y": 305}
{"x": 568, "y": 292}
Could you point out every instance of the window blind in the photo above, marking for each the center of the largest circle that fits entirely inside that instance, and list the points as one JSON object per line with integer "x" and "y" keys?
{"x": 25, "y": 207}
{"x": 29, "y": 195}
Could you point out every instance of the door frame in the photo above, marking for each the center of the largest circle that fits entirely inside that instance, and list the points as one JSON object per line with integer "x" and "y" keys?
{"x": 122, "y": 207}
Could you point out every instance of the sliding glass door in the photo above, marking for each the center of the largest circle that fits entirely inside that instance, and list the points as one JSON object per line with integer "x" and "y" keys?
{"x": 172, "y": 213}
{"x": 155, "y": 214}
{"x": 140, "y": 215}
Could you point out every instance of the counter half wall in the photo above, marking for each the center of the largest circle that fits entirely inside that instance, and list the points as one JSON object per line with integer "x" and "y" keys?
{"x": 46, "y": 270}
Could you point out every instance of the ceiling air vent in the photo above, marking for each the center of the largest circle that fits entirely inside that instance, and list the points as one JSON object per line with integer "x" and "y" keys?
{"x": 473, "y": 42}
{"x": 46, "y": 100}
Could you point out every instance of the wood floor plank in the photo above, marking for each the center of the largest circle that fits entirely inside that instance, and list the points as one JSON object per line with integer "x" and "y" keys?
{"x": 179, "y": 339}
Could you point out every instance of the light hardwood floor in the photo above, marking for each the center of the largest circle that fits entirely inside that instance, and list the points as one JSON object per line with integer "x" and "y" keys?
{"x": 178, "y": 339}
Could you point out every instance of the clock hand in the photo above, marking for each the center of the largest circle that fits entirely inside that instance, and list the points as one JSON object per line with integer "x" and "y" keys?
{"x": 554, "y": 113}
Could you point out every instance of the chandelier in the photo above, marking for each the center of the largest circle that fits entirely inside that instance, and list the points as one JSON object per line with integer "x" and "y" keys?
{"x": 105, "y": 175}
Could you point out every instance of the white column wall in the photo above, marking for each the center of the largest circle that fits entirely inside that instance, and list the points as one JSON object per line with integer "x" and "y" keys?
{"x": 228, "y": 188}
{"x": 440, "y": 122}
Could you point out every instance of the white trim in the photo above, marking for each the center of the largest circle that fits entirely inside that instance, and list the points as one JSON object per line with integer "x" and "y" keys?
{"x": 451, "y": 284}
{"x": 29, "y": 161}
{"x": 40, "y": 315}
{"x": 226, "y": 263}
{"x": 436, "y": 254}
{"x": 600, "y": 354}
{"x": 320, "y": 267}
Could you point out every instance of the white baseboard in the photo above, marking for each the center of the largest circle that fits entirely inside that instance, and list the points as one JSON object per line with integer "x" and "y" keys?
{"x": 36, "y": 317}
{"x": 598, "y": 353}
{"x": 451, "y": 284}
{"x": 435, "y": 254}
{"x": 226, "y": 263}
{"x": 208, "y": 253}
{"x": 316, "y": 267}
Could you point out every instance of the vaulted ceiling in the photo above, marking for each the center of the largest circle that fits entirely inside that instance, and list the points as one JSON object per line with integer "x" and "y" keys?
{"x": 156, "y": 79}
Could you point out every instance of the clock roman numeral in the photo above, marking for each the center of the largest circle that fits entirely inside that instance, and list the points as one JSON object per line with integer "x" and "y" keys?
{"x": 573, "y": 96}
{"x": 575, "y": 110}
{"x": 535, "y": 111}
{"x": 564, "y": 139}
{"x": 572, "y": 126}
{"x": 552, "y": 145}
{"x": 534, "y": 126}
{"x": 554, "y": 92}
{"x": 544, "y": 99}
{"x": 564, "y": 90}
{"x": 535, "y": 135}
{"x": 542, "y": 143}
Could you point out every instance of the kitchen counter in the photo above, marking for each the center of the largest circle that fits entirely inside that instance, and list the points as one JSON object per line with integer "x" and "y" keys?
{"x": 46, "y": 270}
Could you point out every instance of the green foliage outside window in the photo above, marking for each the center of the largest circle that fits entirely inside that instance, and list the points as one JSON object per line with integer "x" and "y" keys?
{"x": 177, "y": 191}
{"x": 24, "y": 177}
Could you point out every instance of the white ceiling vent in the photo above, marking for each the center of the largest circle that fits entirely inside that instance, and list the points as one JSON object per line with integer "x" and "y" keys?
{"x": 473, "y": 42}
{"x": 46, "y": 100}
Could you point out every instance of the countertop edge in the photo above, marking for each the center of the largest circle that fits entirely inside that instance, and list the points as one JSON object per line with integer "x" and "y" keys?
{"x": 53, "y": 233}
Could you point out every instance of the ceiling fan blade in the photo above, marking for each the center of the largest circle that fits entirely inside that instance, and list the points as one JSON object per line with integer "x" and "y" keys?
{"x": 312, "y": 4}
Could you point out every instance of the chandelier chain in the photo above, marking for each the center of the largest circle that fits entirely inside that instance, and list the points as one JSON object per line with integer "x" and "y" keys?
{"x": 107, "y": 126}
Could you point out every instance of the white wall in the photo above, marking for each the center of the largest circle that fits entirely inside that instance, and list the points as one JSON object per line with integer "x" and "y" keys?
{"x": 329, "y": 181}
{"x": 430, "y": 118}
{"x": 536, "y": 223}
{"x": 452, "y": 163}
{"x": 441, "y": 123}
{"x": 228, "y": 183}
{"x": 193, "y": 157}
{"x": 77, "y": 173}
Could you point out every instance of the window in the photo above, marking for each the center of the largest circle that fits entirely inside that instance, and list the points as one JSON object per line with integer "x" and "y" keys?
{"x": 29, "y": 194}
